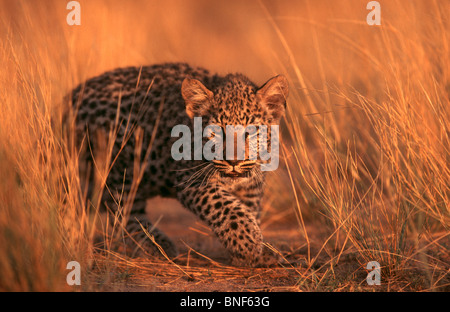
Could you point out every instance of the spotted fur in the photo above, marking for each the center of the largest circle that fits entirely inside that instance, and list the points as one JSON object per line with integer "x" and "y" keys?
{"x": 226, "y": 195}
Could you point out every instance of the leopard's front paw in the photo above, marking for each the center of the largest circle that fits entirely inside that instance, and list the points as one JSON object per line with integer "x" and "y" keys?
{"x": 265, "y": 257}
{"x": 268, "y": 258}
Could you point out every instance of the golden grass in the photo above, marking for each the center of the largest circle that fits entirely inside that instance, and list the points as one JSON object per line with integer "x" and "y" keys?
{"x": 366, "y": 153}
{"x": 383, "y": 181}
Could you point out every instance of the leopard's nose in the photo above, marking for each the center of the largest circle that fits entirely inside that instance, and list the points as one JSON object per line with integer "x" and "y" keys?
{"x": 234, "y": 162}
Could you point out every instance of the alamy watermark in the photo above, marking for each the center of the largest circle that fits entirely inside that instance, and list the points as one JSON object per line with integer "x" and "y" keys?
{"x": 74, "y": 16}
{"x": 239, "y": 141}
{"x": 374, "y": 276}
{"x": 374, "y": 16}
{"x": 74, "y": 276}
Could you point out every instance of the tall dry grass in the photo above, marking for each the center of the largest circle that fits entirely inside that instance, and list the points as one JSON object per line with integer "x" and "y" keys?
{"x": 366, "y": 132}
{"x": 372, "y": 153}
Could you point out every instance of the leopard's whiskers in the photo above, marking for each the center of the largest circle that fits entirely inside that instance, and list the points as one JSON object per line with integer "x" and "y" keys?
{"x": 210, "y": 174}
{"x": 195, "y": 175}
{"x": 190, "y": 168}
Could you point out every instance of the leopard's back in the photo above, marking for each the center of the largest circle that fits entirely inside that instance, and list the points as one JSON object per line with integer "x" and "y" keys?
{"x": 127, "y": 99}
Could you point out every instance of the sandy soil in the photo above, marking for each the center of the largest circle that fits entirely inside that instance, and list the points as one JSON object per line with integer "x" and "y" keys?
{"x": 203, "y": 264}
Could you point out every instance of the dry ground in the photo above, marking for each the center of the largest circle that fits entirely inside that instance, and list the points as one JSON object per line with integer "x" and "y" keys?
{"x": 203, "y": 265}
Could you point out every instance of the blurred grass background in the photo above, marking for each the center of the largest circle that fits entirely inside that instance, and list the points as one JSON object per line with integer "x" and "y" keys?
{"x": 366, "y": 154}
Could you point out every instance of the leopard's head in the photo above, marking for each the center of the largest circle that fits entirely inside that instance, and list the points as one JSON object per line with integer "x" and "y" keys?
{"x": 235, "y": 111}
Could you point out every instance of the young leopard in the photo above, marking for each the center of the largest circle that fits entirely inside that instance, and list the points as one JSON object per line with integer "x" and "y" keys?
{"x": 224, "y": 194}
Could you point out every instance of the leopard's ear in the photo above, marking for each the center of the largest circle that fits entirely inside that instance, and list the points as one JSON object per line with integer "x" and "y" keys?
{"x": 272, "y": 96}
{"x": 197, "y": 97}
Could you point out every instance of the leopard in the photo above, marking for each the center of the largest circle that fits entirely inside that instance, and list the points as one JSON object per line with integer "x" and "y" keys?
{"x": 141, "y": 105}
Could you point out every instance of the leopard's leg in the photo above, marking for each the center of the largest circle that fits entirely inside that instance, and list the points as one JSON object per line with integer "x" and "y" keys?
{"x": 234, "y": 223}
{"x": 118, "y": 187}
{"x": 134, "y": 235}
{"x": 137, "y": 221}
